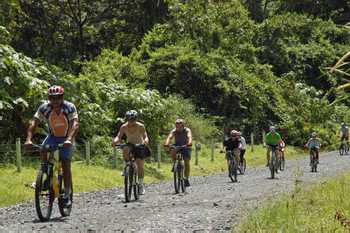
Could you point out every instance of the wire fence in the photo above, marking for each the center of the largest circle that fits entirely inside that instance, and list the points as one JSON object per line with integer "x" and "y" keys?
{"x": 97, "y": 154}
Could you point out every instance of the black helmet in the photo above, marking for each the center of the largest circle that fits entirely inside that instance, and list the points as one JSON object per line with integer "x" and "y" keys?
{"x": 131, "y": 115}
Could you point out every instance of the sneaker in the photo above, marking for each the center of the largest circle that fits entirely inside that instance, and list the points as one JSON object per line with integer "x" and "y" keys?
{"x": 141, "y": 189}
{"x": 187, "y": 183}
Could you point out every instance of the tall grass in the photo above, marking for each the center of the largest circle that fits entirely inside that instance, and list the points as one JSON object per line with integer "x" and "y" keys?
{"x": 15, "y": 187}
{"x": 311, "y": 210}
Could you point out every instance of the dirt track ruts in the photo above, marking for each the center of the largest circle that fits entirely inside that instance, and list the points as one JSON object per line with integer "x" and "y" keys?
{"x": 212, "y": 204}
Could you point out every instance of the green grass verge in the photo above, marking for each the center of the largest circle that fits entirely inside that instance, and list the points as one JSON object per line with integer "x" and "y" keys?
{"x": 305, "y": 210}
{"x": 14, "y": 185}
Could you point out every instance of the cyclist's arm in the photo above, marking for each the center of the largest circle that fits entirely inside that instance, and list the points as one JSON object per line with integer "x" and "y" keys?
{"x": 120, "y": 134}
{"x": 145, "y": 136}
{"x": 189, "y": 136}
{"x": 168, "y": 139}
{"x": 31, "y": 129}
{"x": 73, "y": 130}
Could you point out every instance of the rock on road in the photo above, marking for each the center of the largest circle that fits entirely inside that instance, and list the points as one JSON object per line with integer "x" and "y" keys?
{"x": 212, "y": 204}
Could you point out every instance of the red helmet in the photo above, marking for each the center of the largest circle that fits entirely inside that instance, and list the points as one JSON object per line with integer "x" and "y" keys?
{"x": 56, "y": 90}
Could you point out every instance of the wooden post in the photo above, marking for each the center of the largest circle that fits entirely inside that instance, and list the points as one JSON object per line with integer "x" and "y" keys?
{"x": 252, "y": 141}
{"x": 196, "y": 155}
{"x": 158, "y": 155}
{"x": 87, "y": 152}
{"x": 212, "y": 150}
{"x": 18, "y": 155}
{"x": 115, "y": 157}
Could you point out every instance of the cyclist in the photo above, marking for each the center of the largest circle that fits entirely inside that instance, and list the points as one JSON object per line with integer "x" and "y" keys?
{"x": 137, "y": 140}
{"x": 243, "y": 147}
{"x": 62, "y": 119}
{"x": 314, "y": 144}
{"x": 233, "y": 143}
{"x": 344, "y": 129}
{"x": 183, "y": 137}
{"x": 281, "y": 148}
{"x": 272, "y": 139}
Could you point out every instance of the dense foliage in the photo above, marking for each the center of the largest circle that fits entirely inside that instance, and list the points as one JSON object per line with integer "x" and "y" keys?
{"x": 244, "y": 64}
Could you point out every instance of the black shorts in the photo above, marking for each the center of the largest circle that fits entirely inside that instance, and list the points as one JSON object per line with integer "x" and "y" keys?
{"x": 344, "y": 137}
{"x": 140, "y": 151}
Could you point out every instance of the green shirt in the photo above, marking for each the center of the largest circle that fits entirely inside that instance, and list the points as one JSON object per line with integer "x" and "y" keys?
{"x": 272, "y": 139}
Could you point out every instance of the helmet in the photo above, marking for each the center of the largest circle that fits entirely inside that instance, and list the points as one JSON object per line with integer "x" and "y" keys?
{"x": 55, "y": 90}
{"x": 131, "y": 115}
{"x": 272, "y": 128}
{"x": 179, "y": 121}
{"x": 313, "y": 134}
{"x": 234, "y": 133}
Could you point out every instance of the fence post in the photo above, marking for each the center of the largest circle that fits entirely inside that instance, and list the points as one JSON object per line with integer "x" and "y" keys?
{"x": 252, "y": 141}
{"x": 87, "y": 152}
{"x": 115, "y": 157}
{"x": 196, "y": 155}
{"x": 18, "y": 155}
{"x": 212, "y": 150}
{"x": 158, "y": 155}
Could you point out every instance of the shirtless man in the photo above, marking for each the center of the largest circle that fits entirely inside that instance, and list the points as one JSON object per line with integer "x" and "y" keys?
{"x": 137, "y": 140}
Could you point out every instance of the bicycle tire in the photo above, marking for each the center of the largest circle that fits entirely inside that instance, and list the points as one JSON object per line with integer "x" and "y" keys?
{"x": 272, "y": 165}
{"x": 43, "y": 216}
{"x": 181, "y": 179}
{"x": 136, "y": 185}
{"x": 175, "y": 174}
{"x": 235, "y": 170}
{"x": 230, "y": 170}
{"x": 64, "y": 211}
{"x": 341, "y": 149}
{"x": 127, "y": 183}
{"x": 283, "y": 164}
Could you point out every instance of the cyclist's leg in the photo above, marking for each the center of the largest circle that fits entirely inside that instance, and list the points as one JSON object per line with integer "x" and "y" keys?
{"x": 268, "y": 150}
{"x": 126, "y": 153}
{"x": 66, "y": 157}
{"x": 187, "y": 153}
{"x": 241, "y": 155}
{"x": 140, "y": 163}
{"x": 317, "y": 155}
{"x": 236, "y": 153}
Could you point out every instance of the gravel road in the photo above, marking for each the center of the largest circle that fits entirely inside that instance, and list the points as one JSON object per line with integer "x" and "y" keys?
{"x": 212, "y": 204}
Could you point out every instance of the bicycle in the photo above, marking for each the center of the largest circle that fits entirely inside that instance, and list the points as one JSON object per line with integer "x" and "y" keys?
{"x": 242, "y": 166}
{"x": 313, "y": 161}
{"x": 273, "y": 163}
{"x": 344, "y": 148}
{"x": 232, "y": 166}
{"x": 50, "y": 185}
{"x": 179, "y": 169}
{"x": 130, "y": 173}
{"x": 282, "y": 162}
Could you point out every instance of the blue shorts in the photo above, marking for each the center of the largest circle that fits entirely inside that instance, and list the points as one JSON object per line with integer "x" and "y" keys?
{"x": 186, "y": 153}
{"x": 65, "y": 153}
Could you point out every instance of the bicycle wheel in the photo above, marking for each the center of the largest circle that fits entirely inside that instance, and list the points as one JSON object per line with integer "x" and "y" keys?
{"x": 282, "y": 164}
{"x": 272, "y": 165}
{"x": 243, "y": 166}
{"x": 44, "y": 196}
{"x": 181, "y": 179}
{"x": 230, "y": 170}
{"x": 341, "y": 149}
{"x": 136, "y": 185}
{"x": 64, "y": 211}
{"x": 175, "y": 173}
{"x": 128, "y": 183}
{"x": 346, "y": 150}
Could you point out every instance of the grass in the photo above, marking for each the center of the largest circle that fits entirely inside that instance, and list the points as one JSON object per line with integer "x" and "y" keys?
{"x": 15, "y": 186}
{"x": 305, "y": 210}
